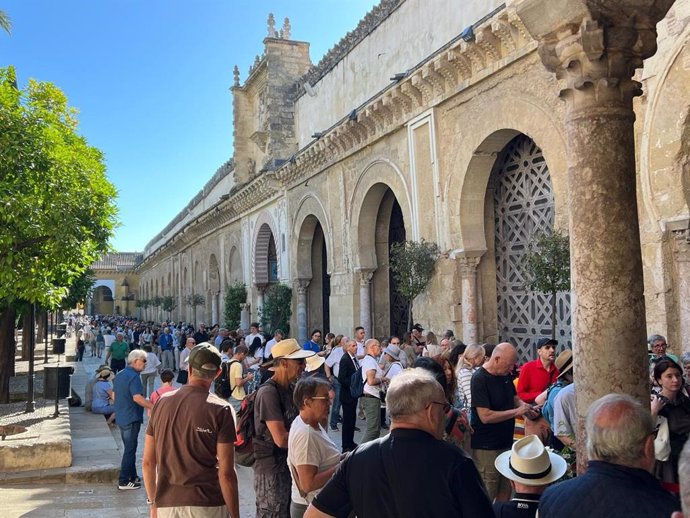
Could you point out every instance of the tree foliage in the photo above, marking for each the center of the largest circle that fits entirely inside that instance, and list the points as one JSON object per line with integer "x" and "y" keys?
{"x": 277, "y": 309}
{"x": 548, "y": 268}
{"x": 57, "y": 208}
{"x": 5, "y": 22}
{"x": 412, "y": 264}
{"x": 168, "y": 303}
{"x": 235, "y": 294}
{"x": 80, "y": 290}
{"x": 157, "y": 301}
{"x": 195, "y": 300}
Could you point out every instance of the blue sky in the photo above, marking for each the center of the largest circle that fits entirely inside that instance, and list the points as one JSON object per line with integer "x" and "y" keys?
{"x": 151, "y": 80}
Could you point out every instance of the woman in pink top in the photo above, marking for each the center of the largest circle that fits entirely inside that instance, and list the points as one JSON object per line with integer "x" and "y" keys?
{"x": 167, "y": 377}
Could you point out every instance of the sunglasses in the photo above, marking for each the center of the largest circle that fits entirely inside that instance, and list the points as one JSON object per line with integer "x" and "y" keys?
{"x": 320, "y": 397}
{"x": 445, "y": 405}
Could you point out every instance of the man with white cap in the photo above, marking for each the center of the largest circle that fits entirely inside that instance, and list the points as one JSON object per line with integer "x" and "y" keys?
{"x": 274, "y": 411}
{"x": 530, "y": 467}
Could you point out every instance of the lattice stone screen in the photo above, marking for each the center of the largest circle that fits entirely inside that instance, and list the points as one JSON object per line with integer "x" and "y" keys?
{"x": 523, "y": 206}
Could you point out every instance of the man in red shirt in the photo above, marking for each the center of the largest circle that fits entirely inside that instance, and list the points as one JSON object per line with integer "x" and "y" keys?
{"x": 535, "y": 377}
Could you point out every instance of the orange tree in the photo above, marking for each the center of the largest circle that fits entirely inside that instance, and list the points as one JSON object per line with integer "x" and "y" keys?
{"x": 57, "y": 207}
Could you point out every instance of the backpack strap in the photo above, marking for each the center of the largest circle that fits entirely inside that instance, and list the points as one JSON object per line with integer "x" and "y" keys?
{"x": 227, "y": 366}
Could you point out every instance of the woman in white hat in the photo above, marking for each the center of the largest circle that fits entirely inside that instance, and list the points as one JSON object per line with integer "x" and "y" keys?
{"x": 530, "y": 467}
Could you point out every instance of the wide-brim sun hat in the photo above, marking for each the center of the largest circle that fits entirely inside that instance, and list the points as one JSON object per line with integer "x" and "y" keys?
{"x": 530, "y": 463}
{"x": 314, "y": 363}
{"x": 564, "y": 362}
{"x": 393, "y": 351}
{"x": 289, "y": 349}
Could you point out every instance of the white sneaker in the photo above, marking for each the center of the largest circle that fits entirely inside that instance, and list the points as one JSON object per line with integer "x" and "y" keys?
{"x": 129, "y": 485}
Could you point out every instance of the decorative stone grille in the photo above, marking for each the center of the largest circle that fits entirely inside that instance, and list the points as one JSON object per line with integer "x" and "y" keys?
{"x": 523, "y": 207}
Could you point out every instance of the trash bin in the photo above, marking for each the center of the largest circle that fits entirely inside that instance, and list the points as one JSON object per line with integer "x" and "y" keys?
{"x": 59, "y": 345}
{"x": 57, "y": 379}
{"x": 61, "y": 330}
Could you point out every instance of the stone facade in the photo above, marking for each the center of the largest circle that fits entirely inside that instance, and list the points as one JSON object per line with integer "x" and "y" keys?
{"x": 334, "y": 162}
{"x": 117, "y": 284}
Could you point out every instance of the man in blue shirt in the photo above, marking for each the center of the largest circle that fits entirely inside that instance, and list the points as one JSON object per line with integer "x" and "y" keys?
{"x": 313, "y": 344}
{"x": 165, "y": 342}
{"x": 129, "y": 414}
{"x": 618, "y": 482}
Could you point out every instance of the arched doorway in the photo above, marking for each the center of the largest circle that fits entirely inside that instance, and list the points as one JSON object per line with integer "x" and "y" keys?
{"x": 213, "y": 295}
{"x": 103, "y": 302}
{"x": 523, "y": 207}
{"x": 389, "y": 308}
{"x": 320, "y": 285}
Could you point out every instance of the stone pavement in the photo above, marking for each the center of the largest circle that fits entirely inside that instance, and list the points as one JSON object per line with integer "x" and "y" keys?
{"x": 89, "y": 487}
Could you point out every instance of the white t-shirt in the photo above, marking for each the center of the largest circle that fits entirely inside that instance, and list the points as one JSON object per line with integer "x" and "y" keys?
{"x": 184, "y": 359}
{"x": 333, "y": 360}
{"x": 369, "y": 363}
{"x": 152, "y": 363}
{"x": 394, "y": 369}
{"x": 360, "y": 349}
{"x": 307, "y": 446}
{"x": 269, "y": 346}
{"x": 108, "y": 339}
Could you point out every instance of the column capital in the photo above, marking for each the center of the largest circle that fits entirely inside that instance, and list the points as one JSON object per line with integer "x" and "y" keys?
{"x": 594, "y": 45}
{"x": 302, "y": 285}
{"x": 365, "y": 275}
{"x": 245, "y": 307}
{"x": 468, "y": 260}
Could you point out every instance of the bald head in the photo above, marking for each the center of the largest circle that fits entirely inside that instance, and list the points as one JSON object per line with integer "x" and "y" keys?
{"x": 502, "y": 360}
{"x": 372, "y": 346}
{"x": 618, "y": 430}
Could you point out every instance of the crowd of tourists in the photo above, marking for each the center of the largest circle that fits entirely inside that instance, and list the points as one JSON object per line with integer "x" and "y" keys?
{"x": 468, "y": 432}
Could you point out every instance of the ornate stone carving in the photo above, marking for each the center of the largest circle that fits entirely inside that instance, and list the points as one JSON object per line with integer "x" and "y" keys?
{"x": 365, "y": 277}
{"x": 285, "y": 31}
{"x": 272, "y": 26}
{"x": 302, "y": 286}
{"x": 236, "y": 76}
{"x": 467, "y": 265}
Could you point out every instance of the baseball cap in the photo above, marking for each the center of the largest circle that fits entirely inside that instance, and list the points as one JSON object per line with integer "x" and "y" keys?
{"x": 205, "y": 356}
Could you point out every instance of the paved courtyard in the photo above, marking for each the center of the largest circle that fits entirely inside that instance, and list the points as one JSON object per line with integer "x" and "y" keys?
{"x": 94, "y": 445}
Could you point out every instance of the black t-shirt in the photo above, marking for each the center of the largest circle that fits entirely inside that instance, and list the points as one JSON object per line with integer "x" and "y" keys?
{"x": 406, "y": 474}
{"x": 273, "y": 403}
{"x": 495, "y": 393}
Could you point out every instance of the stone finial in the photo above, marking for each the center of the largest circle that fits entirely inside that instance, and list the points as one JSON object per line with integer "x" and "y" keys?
{"x": 285, "y": 31}
{"x": 271, "y": 26}
{"x": 236, "y": 76}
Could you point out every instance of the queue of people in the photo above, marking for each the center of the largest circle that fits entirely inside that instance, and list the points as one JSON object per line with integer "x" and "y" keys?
{"x": 439, "y": 399}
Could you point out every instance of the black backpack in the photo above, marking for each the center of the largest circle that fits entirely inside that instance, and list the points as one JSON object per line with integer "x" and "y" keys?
{"x": 357, "y": 384}
{"x": 222, "y": 383}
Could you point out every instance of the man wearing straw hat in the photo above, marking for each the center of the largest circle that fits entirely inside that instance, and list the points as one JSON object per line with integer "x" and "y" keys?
{"x": 274, "y": 412}
{"x": 530, "y": 467}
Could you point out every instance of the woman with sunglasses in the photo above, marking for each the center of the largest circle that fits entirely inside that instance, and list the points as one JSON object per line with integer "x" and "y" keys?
{"x": 312, "y": 455}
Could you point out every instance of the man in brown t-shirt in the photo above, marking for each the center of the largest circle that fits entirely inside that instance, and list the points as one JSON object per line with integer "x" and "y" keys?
{"x": 189, "y": 456}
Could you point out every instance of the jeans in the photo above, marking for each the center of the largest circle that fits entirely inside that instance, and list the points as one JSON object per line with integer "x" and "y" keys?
{"x": 117, "y": 365}
{"x": 335, "y": 407}
{"x": 372, "y": 411}
{"x": 130, "y": 437}
{"x": 148, "y": 380}
{"x": 167, "y": 360}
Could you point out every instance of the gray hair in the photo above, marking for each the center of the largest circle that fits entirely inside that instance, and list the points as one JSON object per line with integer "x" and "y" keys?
{"x": 136, "y": 354}
{"x": 654, "y": 338}
{"x": 203, "y": 374}
{"x": 306, "y": 388}
{"x": 685, "y": 358}
{"x": 617, "y": 427}
{"x": 684, "y": 478}
{"x": 411, "y": 391}
{"x": 472, "y": 351}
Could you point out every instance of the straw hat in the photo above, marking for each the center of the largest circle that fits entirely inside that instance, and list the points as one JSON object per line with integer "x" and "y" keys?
{"x": 530, "y": 463}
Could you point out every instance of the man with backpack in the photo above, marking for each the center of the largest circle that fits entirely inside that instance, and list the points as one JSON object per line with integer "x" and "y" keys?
{"x": 233, "y": 373}
{"x": 274, "y": 411}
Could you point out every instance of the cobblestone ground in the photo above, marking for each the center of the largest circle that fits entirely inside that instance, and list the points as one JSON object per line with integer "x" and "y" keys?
{"x": 84, "y": 499}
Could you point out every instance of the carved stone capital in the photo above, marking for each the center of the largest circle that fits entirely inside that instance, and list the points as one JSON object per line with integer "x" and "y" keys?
{"x": 681, "y": 244}
{"x": 302, "y": 285}
{"x": 468, "y": 265}
{"x": 594, "y": 45}
{"x": 245, "y": 307}
{"x": 365, "y": 276}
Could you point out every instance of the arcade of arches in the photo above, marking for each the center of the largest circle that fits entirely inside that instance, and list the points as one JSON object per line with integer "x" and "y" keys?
{"x": 474, "y": 150}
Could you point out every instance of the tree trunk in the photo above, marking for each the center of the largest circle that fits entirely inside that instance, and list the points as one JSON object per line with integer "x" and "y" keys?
{"x": 26, "y": 335}
{"x": 41, "y": 322}
{"x": 554, "y": 317}
{"x": 8, "y": 349}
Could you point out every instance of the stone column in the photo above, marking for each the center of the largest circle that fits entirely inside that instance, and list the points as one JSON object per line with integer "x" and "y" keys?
{"x": 365, "y": 276}
{"x": 244, "y": 316}
{"x": 261, "y": 289}
{"x": 681, "y": 244}
{"x": 467, "y": 265}
{"x": 594, "y": 47}
{"x": 302, "y": 331}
